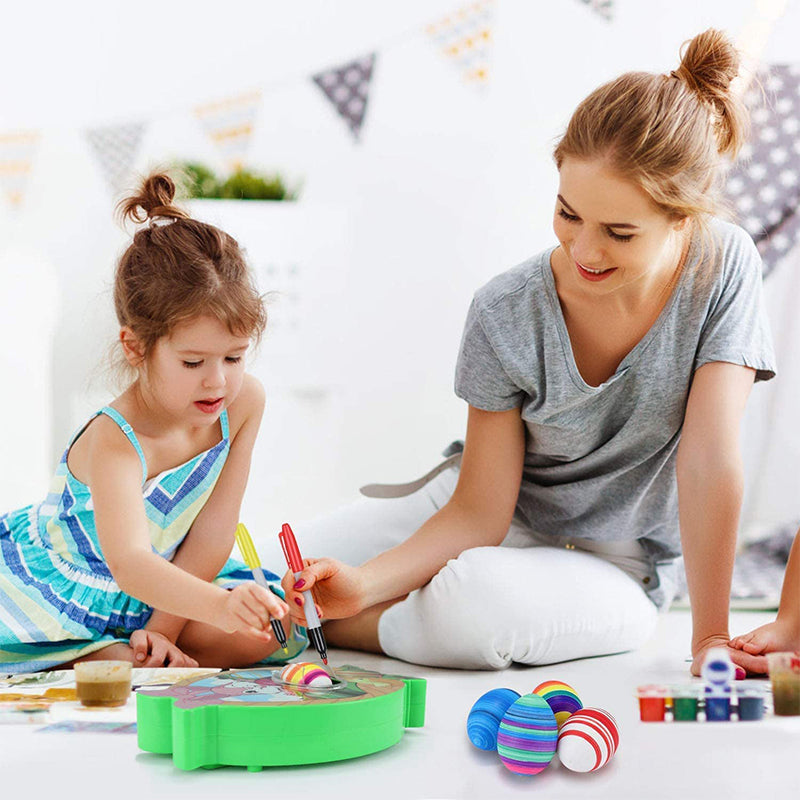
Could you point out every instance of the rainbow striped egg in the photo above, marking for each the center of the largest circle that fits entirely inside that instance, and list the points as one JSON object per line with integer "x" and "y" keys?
{"x": 305, "y": 673}
{"x": 561, "y": 697}
{"x": 588, "y": 740}
{"x": 483, "y": 720}
{"x": 528, "y": 734}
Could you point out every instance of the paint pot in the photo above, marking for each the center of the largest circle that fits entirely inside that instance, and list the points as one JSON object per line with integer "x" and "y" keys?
{"x": 685, "y": 704}
{"x": 652, "y": 702}
{"x": 784, "y": 675}
{"x": 718, "y": 708}
{"x": 103, "y": 683}
{"x": 751, "y": 704}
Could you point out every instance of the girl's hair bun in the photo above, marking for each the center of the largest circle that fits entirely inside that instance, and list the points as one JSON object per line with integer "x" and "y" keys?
{"x": 709, "y": 63}
{"x": 152, "y": 201}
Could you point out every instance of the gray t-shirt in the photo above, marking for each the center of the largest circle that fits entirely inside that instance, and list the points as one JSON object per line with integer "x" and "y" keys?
{"x": 600, "y": 461}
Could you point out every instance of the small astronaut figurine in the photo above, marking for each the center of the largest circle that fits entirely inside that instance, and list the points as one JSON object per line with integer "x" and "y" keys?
{"x": 718, "y": 674}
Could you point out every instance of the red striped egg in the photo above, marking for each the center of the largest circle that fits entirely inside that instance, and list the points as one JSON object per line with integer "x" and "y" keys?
{"x": 588, "y": 740}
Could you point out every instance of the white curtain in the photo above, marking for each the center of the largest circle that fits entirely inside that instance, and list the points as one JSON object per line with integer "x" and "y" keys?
{"x": 771, "y": 430}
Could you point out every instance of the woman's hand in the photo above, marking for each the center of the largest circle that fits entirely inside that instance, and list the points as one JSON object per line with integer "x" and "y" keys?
{"x": 153, "y": 649}
{"x": 744, "y": 662}
{"x": 336, "y": 587}
{"x": 247, "y": 609}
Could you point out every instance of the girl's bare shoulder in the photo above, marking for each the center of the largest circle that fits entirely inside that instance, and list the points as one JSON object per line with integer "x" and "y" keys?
{"x": 100, "y": 443}
{"x": 248, "y": 407}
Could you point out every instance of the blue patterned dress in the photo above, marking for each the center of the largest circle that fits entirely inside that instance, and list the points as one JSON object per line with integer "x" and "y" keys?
{"x": 58, "y": 599}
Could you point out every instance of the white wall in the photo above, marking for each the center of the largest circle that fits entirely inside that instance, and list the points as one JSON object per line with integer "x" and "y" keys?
{"x": 28, "y": 300}
{"x": 448, "y": 186}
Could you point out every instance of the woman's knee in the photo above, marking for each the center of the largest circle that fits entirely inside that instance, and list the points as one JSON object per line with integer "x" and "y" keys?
{"x": 493, "y": 606}
{"x": 451, "y": 622}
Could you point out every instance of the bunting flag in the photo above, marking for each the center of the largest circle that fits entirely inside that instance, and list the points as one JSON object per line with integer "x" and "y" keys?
{"x": 347, "y": 87}
{"x": 16, "y": 163}
{"x": 605, "y": 8}
{"x": 764, "y": 183}
{"x": 115, "y": 148}
{"x": 465, "y": 36}
{"x": 230, "y": 123}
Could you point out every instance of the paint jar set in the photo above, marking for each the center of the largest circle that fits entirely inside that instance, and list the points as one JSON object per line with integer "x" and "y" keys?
{"x": 719, "y": 698}
{"x": 715, "y": 700}
{"x": 691, "y": 703}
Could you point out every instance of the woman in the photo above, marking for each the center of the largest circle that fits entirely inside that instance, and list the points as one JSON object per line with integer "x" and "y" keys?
{"x": 606, "y": 379}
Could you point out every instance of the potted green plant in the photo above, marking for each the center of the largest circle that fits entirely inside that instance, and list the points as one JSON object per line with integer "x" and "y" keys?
{"x": 200, "y": 182}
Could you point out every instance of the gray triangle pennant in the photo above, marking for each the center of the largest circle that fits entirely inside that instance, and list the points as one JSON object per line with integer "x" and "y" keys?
{"x": 605, "y": 8}
{"x": 115, "y": 148}
{"x": 347, "y": 87}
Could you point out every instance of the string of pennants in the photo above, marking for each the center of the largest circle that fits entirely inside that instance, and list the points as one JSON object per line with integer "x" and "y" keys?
{"x": 763, "y": 185}
{"x": 464, "y": 37}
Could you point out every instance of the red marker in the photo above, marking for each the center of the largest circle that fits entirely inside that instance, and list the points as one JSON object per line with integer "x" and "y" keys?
{"x": 295, "y": 562}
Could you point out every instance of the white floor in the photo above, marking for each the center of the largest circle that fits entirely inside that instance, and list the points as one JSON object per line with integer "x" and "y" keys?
{"x": 669, "y": 760}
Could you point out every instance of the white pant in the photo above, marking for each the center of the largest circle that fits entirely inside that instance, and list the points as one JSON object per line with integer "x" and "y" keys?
{"x": 519, "y": 602}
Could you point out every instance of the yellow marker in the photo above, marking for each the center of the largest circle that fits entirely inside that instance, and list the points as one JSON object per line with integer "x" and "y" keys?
{"x": 248, "y": 551}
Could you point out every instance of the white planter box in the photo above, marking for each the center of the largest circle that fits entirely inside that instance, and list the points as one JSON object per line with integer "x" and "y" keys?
{"x": 302, "y": 255}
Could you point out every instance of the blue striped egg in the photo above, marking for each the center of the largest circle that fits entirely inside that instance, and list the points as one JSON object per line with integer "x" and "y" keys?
{"x": 484, "y": 717}
{"x": 528, "y": 734}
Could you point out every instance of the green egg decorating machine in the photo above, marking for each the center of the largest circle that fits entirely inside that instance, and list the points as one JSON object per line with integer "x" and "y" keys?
{"x": 252, "y": 718}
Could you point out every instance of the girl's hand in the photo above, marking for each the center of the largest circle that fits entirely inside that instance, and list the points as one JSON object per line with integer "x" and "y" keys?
{"x": 153, "y": 649}
{"x": 337, "y": 589}
{"x": 247, "y": 609}
{"x": 770, "y": 638}
{"x": 743, "y": 662}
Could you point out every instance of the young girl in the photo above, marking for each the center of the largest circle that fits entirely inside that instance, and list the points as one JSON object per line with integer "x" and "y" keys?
{"x": 784, "y": 633}
{"x": 606, "y": 379}
{"x": 127, "y": 556}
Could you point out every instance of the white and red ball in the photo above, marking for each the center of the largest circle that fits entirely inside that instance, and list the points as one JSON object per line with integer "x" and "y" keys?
{"x": 588, "y": 740}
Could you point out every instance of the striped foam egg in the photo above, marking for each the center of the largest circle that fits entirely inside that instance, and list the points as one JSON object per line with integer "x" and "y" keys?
{"x": 305, "y": 673}
{"x": 588, "y": 740}
{"x": 527, "y": 736}
{"x": 484, "y": 717}
{"x": 561, "y": 697}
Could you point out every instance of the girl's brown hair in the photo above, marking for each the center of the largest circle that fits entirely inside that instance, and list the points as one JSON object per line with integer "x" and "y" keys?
{"x": 666, "y": 133}
{"x": 178, "y": 268}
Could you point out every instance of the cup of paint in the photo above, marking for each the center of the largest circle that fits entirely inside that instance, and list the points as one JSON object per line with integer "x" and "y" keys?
{"x": 685, "y": 703}
{"x": 750, "y": 704}
{"x": 652, "y": 702}
{"x": 717, "y": 706}
{"x": 784, "y": 675}
{"x": 103, "y": 683}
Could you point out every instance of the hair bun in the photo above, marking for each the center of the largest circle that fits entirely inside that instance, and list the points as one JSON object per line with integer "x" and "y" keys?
{"x": 152, "y": 201}
{"x": 709, "y": 63}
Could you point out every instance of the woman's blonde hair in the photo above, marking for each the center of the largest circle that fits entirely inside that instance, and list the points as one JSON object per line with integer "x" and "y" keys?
{"x": 178, "y": 268}
{"x": 667, "y": 133}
